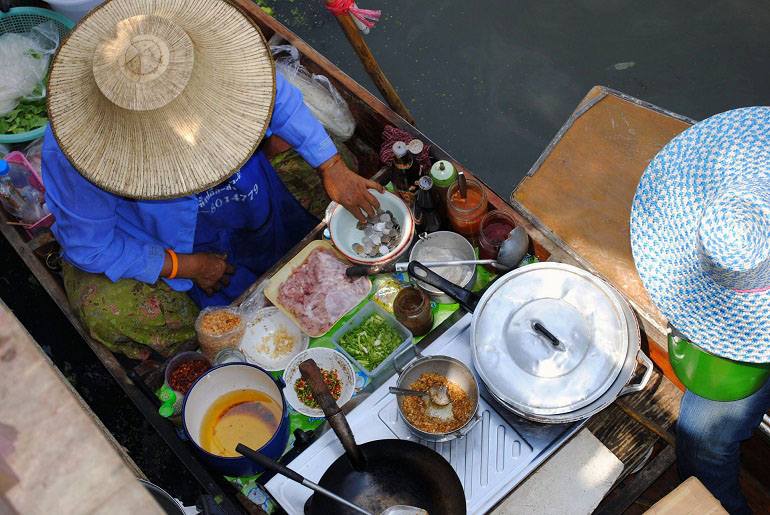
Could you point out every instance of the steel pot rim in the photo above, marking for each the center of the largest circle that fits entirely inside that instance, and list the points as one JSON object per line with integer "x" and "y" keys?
{"x": 461, "y": 431}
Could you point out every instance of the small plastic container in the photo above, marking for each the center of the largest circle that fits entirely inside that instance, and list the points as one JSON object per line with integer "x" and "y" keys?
{"x": 181, "y": 359}
{"x": 369, "y": 308}
{"x": 213, "y": 342}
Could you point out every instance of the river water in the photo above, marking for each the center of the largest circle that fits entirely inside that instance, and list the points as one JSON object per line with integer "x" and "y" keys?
{"x": 493, "y": 81}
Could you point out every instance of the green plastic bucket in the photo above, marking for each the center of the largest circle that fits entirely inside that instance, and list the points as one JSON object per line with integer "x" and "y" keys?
{"x": 714, "y": 377}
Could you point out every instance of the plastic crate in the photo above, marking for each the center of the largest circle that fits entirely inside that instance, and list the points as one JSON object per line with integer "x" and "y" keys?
{"x": 369, "y": 308}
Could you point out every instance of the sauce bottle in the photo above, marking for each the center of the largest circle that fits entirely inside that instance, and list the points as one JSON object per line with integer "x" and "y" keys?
{"x": 443, "y": 174}
{"x": 402, "y": 163}
{"x": 426, "y": 214}
{"x": 415, "y": 147}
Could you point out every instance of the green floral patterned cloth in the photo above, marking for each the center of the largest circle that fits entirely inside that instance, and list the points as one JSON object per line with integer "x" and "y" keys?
{"x": 133, "y": 318}
{"x": 130, "y": 316}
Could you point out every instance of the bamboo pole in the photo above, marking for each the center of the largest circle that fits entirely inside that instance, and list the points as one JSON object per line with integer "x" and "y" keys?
{"x": 371, "y": 66}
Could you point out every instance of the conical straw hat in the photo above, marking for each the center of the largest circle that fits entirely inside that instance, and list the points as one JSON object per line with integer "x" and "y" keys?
{"x": 161, "y": 99}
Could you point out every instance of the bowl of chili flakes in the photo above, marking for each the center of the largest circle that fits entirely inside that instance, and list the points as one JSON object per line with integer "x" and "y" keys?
{"x": 336, "y": 370}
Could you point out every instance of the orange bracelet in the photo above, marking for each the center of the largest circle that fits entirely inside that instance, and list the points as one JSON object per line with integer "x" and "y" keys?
{"x": 334, "y": 160}
{"x": 174, "y": 264}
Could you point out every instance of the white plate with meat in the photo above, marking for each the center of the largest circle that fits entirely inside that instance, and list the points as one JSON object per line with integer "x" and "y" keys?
{"x": 313, "y": 290}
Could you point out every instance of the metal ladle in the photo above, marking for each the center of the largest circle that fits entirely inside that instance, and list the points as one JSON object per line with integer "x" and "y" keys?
{"x": 437, "y": 394}
{"x": 512, "y": 251}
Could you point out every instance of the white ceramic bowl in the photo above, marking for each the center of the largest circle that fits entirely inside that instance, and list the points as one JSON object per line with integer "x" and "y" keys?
{"x": 343, "y": 231}
{"x": 325, "y": 359}
{"x": 265, "y": 323}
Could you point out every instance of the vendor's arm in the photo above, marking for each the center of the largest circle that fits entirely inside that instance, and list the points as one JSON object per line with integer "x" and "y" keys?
{"x": 86, "y": 228}
{"x": 86, "y": 224}
{"x": 294, "y": 123}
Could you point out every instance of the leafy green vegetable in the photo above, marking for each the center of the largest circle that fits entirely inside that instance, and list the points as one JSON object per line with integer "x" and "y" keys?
{"x": 371, "y": 342}
{"x": 25, "y": 117}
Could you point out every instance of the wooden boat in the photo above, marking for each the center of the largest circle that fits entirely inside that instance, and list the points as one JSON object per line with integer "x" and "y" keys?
{"x": 371, "y": 116}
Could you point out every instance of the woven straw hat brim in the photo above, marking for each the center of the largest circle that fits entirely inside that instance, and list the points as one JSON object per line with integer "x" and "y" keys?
{"x": 193, "y": 142}
{"x": 679, "y": 183}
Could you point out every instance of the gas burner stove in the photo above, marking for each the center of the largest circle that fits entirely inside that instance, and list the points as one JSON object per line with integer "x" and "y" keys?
{"x": 498, "y": 454}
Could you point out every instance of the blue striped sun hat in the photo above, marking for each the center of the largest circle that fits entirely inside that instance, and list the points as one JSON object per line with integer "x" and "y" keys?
{"x": 700, "y": 233}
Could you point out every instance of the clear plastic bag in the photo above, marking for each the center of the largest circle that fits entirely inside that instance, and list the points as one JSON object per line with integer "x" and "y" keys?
{"x": 323, "y": 99}
{"x": 24, "y": 60}
{"x": 216, "y": 330}
{"x": 33, "y": 153}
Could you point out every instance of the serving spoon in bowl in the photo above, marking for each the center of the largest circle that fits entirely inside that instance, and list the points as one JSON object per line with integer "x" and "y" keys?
{"x": 438, "y": 394}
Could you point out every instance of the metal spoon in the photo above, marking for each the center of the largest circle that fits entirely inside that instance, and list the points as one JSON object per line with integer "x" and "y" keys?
{"x": 514, "y": 248}
{"x": 437, "y": 394}
{"x": 462, "y": 185}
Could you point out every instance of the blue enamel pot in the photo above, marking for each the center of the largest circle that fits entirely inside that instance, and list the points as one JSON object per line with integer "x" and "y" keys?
{"x": 214, "y": 384}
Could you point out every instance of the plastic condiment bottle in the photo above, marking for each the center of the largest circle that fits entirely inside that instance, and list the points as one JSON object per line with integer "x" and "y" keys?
{"x": 10, "y": 196}
{"x": 443, "y": 174}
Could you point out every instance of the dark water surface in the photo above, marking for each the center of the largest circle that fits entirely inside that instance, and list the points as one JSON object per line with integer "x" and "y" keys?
{"x": 493, "y": 81}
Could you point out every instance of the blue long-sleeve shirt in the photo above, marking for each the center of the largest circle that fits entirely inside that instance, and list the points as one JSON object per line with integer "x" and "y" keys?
{"x": 101, "y": 232}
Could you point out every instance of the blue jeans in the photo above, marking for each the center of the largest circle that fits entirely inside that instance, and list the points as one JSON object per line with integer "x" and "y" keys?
{"x": 708, "y": 438}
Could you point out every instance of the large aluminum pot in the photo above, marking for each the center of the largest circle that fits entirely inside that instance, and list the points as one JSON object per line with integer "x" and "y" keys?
{"x": 217, "y": 382}
{"x": 455, "y": 371}
{"x": 550, "y": 341}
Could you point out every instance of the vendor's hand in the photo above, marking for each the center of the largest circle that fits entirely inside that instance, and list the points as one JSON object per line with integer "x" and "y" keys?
{"x": 213, "y": 272}
{"x": 208, "y": 270}
{"x": 346, "y": 187}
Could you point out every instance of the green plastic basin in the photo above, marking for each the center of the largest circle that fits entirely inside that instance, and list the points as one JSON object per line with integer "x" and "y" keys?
{"x": 714, "y": 377}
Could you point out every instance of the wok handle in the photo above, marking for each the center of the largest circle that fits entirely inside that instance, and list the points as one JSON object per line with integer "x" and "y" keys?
{"x": 359, "y": 271}
{"x": 467, "y": 299}
{"x": 631, "y": 388}
{"x": 312, "y": 374}
{"x": 268, "y": 463}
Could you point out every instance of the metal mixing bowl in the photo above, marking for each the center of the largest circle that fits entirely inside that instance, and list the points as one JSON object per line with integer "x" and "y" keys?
{"x": 455, "y": 371}
{"x": 455, "y": 247}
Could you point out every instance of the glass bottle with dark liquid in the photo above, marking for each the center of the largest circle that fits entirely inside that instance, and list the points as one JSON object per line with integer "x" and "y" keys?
{"x": 426, "y": 212}
{"x": 402, "y": 165}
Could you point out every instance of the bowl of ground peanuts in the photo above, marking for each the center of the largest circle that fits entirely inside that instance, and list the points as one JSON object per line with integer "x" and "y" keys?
{"x": 433, "y": 422}
{"x": 219, "y": 327}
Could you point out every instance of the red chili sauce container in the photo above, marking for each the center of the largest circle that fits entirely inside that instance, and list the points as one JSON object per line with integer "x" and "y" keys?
{"x": 465, "y": 214}
{"x": 493, "y": 231}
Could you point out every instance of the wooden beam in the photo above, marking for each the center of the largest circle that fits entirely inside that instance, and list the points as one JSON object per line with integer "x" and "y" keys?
{"x": 370, "y": 65}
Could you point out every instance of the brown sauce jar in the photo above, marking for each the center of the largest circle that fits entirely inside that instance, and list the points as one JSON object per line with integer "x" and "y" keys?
{"x": 412, "y": 309}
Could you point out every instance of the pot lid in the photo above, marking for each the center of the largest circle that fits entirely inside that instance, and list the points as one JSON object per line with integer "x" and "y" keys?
{"x": 549, "y": 338}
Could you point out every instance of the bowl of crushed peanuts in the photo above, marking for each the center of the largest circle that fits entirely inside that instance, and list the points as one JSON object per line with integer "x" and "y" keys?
{"x": 272, "y": 339}
{"x": 428, "y": 420}
{"x": 219, "y": 327}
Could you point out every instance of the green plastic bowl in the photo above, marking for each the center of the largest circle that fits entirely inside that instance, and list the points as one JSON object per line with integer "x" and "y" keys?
{"x": 23, "y": 19}
{"x": 713, "y": 377}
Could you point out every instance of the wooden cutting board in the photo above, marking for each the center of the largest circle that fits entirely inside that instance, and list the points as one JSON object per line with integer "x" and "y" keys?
{"x": 580, "y": 190}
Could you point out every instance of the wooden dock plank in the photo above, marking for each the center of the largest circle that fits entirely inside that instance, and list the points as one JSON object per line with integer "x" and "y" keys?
{"x": 63, "y": 462}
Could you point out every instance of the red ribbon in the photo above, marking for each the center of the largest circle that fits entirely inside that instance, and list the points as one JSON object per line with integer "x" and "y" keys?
{"x": 366, "y": 16}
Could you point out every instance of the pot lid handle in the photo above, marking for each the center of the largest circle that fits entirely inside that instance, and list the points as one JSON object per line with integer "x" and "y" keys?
{"x": 537, "y": 326}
